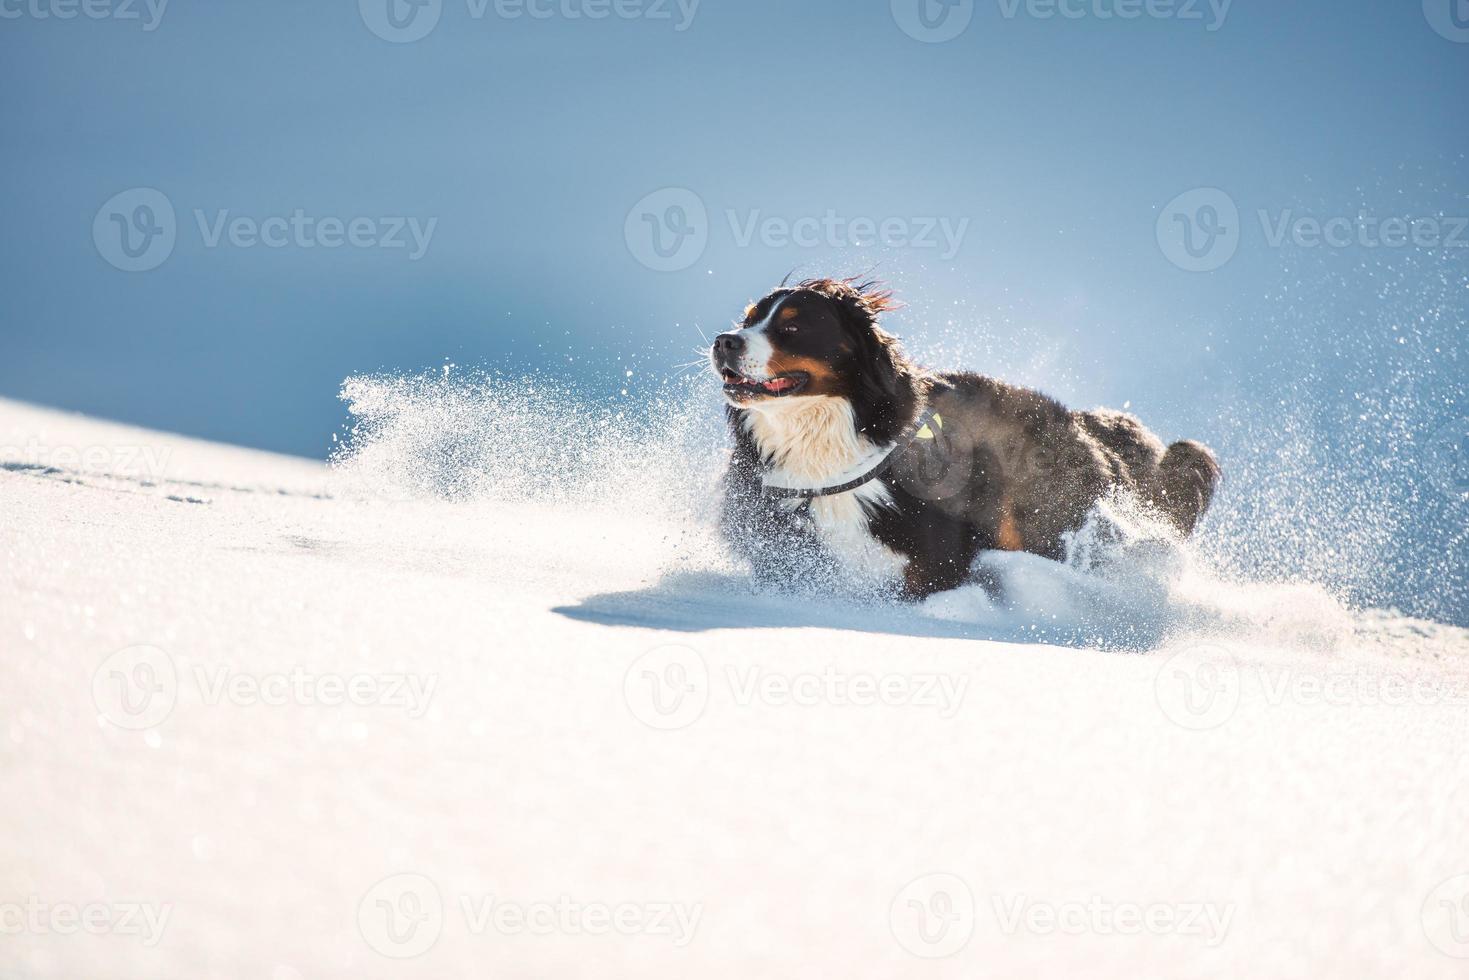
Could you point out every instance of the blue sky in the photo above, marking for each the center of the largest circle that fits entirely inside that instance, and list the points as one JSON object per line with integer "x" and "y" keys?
{"x": 1052, "y": 135}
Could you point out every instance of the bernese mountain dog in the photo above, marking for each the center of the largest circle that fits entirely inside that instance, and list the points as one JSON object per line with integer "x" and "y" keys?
{"x": 848, "y": 455}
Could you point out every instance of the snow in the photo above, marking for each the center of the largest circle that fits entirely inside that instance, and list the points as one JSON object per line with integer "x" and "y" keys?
{"x": 266, "y": 718}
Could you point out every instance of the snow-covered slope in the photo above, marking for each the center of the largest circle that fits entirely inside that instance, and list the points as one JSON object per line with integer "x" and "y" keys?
{"x": 259, "y": 721}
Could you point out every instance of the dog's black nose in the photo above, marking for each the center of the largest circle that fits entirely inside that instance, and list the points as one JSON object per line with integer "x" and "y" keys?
{"x": 729, "y": 343}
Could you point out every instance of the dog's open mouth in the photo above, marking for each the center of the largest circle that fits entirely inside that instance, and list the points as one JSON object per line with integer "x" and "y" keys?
{"x": 776, "y": 387}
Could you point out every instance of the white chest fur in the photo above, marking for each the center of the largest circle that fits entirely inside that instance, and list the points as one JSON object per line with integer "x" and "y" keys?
{"x": 810, "y": 442}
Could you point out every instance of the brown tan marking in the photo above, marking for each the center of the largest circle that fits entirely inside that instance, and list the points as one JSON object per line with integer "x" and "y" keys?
{"x": 1008, "y": 538}
{"x": 823, "y": 379}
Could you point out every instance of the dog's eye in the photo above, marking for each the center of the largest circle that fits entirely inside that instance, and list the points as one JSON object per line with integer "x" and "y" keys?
{"x": 788, "y": 327}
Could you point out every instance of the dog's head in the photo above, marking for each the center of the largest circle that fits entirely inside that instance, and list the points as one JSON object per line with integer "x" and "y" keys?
{"x": 817, "y": 338}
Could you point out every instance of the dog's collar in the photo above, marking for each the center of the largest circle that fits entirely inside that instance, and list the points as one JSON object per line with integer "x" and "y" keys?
{"x": 918, "y": 430}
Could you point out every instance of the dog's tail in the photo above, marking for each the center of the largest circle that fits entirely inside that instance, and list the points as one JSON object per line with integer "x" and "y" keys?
{"x": 1187, "y": 477}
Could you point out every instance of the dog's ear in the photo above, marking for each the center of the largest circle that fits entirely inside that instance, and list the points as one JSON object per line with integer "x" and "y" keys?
{"x": 883, "y": 374}
{"x": 881, "y": 365}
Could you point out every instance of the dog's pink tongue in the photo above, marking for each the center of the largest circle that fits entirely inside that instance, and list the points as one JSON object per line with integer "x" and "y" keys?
{"x": 779, "y": 384}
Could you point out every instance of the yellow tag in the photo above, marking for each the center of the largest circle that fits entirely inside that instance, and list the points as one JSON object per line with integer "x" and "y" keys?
{"x": 926, "y": 432}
